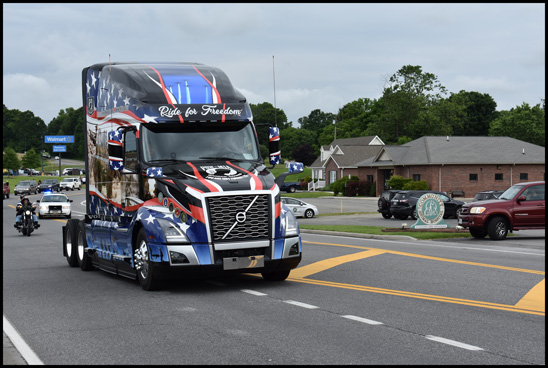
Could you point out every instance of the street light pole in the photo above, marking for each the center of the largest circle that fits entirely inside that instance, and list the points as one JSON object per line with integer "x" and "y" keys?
{"x": 42, "y": 153}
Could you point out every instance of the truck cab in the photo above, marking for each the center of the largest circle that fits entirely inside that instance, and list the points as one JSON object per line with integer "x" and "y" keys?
{"x": 175, "y": 180}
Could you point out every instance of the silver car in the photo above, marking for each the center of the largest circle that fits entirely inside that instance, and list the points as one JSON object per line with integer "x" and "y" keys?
{"x": 54, "y": 205}
{"x": 300, "y": 208}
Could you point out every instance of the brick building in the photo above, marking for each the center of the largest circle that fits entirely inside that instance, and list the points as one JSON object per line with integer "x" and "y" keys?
{"x": 469, "y": 164}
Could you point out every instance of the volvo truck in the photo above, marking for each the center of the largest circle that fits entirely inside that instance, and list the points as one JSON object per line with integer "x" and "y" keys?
{"x": 175, "y": 181}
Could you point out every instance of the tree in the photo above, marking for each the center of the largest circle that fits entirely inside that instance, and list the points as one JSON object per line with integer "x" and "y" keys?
{"x": 10, "y": 160}
{"x": 410, "y": 92}
{"x": 292, "y": 138}
{"x": 305, "y": 154}
{"x": 479, "y": 112}
{"x": 31, "y": 159}
{"x": 266, "y": 113}
{"x": 22, "y": 130}
{"x": 522, "y": 122}
{"x": 316, "y": 121}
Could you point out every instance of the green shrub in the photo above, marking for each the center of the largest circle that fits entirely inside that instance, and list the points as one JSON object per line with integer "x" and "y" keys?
{"x": 416, "y": 185}
{"x": 397, "y": 182}
{"x": 373, "y": 189}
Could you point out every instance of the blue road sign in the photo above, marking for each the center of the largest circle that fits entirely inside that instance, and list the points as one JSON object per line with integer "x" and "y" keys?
{"x": 59, "y": 148}
{"x": 59, "y": 139}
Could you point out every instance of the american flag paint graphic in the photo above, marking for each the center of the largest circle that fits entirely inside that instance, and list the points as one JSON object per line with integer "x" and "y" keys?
{"x": 174, "y": 86}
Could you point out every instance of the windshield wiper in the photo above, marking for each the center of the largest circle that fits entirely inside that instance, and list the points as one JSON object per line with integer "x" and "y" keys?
{"x": 166, "y": 161}
{"x": 219, "y": 158}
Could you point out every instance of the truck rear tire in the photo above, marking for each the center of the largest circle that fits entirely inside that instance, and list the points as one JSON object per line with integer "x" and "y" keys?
{"x": 71, "y": 248}
{"x": 83, "y": 258}
{"x": 142, "y": 263}
{"x": 497, "y": 228}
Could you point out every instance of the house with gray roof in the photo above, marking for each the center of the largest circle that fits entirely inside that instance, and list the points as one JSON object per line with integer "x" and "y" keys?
{"x": 343, "y": 154}
{"x": 458, "y": 164}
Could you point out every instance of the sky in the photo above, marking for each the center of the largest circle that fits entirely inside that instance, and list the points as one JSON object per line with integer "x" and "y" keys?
{"x": 299, "y": 57}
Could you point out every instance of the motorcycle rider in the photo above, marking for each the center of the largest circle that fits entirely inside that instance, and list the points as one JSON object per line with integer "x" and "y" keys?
{"x": 22, "y": 207}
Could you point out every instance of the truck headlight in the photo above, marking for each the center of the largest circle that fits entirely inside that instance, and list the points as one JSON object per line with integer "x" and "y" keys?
{"x": 291, "y": 224}
{"x": 172, "y": 232}
{"x": 477, "y": 210}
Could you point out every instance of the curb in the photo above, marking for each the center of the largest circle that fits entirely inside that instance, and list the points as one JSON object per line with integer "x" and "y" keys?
{"x": 356, "y": 235}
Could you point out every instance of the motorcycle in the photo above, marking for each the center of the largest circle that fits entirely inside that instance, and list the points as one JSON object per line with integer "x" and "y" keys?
{"x": 26, "y": 226}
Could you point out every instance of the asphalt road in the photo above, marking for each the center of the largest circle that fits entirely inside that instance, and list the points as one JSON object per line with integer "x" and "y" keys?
{"x": 351, "y": 301}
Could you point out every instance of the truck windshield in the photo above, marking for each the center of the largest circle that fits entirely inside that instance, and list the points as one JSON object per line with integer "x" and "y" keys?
{"x": 207, "y": 141}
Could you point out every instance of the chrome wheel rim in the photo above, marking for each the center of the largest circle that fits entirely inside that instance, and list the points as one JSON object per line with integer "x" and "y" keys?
{"x": 68, "y": 245}
{"x": 141, "y": 259}
{"x": 80, "y": 246}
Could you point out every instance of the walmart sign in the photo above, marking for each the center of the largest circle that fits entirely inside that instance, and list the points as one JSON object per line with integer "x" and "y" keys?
{"x": 59, "y": 139}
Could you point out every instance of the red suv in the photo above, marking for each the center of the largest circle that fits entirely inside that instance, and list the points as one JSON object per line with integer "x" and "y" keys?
{"x": 520, "y": 207}
{"x": 6, "y": 190}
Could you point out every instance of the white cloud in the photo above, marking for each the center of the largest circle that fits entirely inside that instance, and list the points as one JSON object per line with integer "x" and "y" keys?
{"x": 326, "y": 55}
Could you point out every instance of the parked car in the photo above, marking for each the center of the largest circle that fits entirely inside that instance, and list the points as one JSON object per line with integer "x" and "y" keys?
{"x": 49, "y": 185}
{"x": 520, "y": 207}
{"x": 487, "y": 194}
{"x": 54, "y": 205}
{"x": 290, "y": 187}
{"x": 6, "y": 190}
{"x": 384, "y": 202}
{"x": 300, "y": 208}
{"x": 25, "y": 187}
{"x": 70, "y": 183}
{"x": 404, "y": 204}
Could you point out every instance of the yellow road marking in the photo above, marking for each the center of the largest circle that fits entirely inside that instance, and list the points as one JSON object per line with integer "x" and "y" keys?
{"x": 332, "y": 262}
{"x": 474, "y": 303}
{"x": 534, "y": 299}
{"x": 435, "y": 258}
{"x": 532, "y": 303}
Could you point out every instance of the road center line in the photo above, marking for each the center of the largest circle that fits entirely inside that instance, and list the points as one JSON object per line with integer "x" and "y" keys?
{"x": 453, "y": 343}
{"x": 253, "y": 292}
{"x": 364, "y": 320}
{"x": 299, "y": 304}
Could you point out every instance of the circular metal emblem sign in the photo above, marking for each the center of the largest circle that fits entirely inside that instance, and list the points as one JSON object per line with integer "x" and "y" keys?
{"x": 430, "y": 209}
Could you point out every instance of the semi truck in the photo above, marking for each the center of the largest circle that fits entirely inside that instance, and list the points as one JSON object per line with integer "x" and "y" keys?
{"x": 176, "y": 184}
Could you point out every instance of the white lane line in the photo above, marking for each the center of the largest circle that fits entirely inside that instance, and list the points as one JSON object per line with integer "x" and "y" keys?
{"x": 299, "y": 304}
{"x": 453, "y": 342}
{"x": 26, "y": 352}
{"x": 253, "y": 292}
{"x": 364, "y": 320}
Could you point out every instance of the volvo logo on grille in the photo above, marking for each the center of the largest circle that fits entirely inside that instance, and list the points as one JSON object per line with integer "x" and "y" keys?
{"x": 240, "y": 217}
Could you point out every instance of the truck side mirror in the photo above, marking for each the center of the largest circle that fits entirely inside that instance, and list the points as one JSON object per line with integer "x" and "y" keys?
{"x": 521, "y": 198}
{"x": 294, "y": 168}
{"x": 274, "y": 145}
{"x": 115, "y": 150}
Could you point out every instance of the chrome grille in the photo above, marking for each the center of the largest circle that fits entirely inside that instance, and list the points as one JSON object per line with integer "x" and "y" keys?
{"x": 227, "y": 220}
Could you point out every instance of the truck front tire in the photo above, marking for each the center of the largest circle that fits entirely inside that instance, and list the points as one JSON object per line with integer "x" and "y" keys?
{"x": 142, "y": 263}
